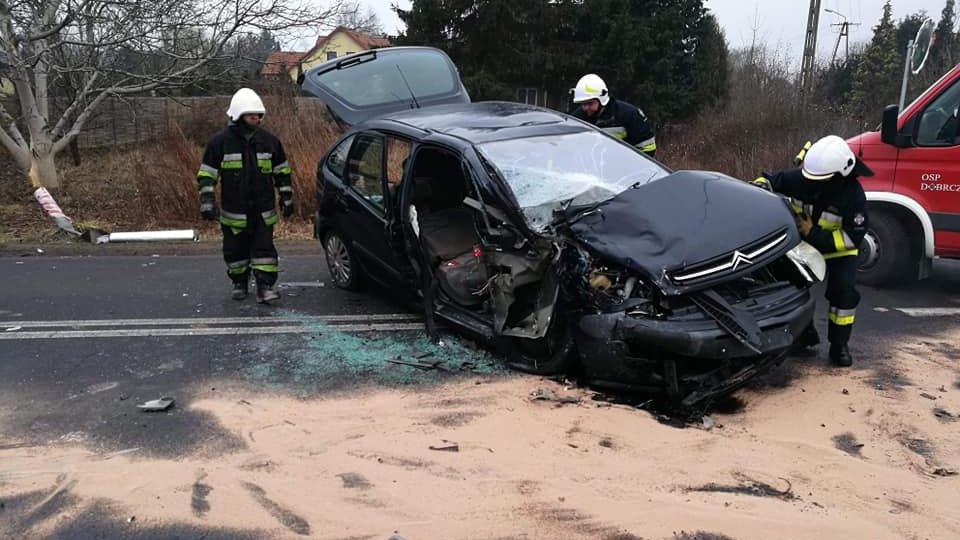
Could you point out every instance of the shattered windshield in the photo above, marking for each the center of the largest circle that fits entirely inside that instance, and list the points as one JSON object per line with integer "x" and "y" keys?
{"x": 575, "y": 169}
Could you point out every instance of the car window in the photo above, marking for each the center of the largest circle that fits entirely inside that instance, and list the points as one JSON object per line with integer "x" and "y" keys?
{"x": 365, "y": 169}
{"x": 550, "y": 172}
{"x": 366, "y": 82}
{"x": 398, "y": 150}
{"x": 337, "y": 160}
{"x": 938, "y": 123}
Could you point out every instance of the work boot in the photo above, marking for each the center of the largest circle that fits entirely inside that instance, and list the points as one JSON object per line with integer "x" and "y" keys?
{"x": 806, "y": 342}
{"x": 266, "y": 293}
{"x": 240, "y": 289}
{"x": 840, "y": 355}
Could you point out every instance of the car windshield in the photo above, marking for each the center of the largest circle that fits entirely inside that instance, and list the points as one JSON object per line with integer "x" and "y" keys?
{"x": 575, "y": 169}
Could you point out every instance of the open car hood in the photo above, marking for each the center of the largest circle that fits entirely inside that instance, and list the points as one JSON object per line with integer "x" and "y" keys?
{"x": 684, "y": 220}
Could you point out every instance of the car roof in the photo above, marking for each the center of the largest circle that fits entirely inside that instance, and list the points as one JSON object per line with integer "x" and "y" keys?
{"x": 485, "y": 121}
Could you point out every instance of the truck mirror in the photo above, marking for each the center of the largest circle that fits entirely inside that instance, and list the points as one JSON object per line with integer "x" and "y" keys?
{"x": 888, "y": 128}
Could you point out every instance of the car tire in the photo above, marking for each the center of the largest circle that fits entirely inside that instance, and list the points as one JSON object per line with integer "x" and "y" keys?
{"x": 550, "y": 355}
{"x": 885, "y": 255}
{"x": 341, "y": 263}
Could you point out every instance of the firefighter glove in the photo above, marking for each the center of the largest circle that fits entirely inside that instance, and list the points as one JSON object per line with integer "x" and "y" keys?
{"x": 207, "y": 207}
{"x": 762, "y": 182}
{"x": 286, "y": 205}
{"x": 804, "y": 224}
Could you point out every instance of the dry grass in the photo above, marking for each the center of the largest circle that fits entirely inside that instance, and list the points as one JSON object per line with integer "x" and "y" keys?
{"x": 760, "y": 128}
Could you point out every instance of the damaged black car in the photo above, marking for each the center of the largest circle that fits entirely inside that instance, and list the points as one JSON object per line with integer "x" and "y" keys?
{"x": 550, "y": 240}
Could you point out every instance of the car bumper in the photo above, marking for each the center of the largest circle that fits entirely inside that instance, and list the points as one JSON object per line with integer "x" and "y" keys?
{"x": 689, "y": 356}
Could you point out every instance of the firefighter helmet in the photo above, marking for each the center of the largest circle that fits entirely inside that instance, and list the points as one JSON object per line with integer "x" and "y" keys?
{"x": 245, "y": 101}
{"x": 591, "y": 86}
{"x": 829, "y": 156}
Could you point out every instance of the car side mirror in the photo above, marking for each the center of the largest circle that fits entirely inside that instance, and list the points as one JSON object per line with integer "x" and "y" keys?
{"x": 888, "y": 128}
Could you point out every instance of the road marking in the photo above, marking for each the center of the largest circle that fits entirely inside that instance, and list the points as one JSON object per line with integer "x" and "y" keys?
{"x": 930, "y": 312}
{"x": 222, "y": 331}
{"x": 372, "y": 317}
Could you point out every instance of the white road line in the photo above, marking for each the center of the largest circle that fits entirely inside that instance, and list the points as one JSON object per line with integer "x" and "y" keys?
{"x": 166, "y": 332}
{"x": 371, "y": 317}
{"x": 930, "y": 312}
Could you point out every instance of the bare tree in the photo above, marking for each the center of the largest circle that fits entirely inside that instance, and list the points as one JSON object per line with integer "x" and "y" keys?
{"x": 90, "y": 50}
{"x": 358, "y": 19}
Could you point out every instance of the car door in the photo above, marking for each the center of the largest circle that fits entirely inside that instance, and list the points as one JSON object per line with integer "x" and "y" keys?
{"x": 371, "y": 83}
{"x": 363, "y": 204}
{"x": 929, "y": 171}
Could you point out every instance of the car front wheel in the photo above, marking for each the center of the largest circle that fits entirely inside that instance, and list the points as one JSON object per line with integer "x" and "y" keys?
{"x": 549, "y": 355}
{"x": 341, "y": 263}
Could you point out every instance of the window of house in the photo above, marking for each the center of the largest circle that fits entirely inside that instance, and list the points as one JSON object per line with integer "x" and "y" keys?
{"x": 527, "y": 95}
{"x": 331, "y": 55}
{"x": 365, "y": 169}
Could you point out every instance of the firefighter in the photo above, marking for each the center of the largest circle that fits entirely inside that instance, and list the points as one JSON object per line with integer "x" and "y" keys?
{"x": 830, "y": 209}
{"x": 618, "y": 118}
{"x": 249, "y": 162}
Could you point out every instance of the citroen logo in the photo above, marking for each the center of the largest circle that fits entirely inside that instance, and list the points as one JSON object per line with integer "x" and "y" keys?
{"x": 738, "y": 259}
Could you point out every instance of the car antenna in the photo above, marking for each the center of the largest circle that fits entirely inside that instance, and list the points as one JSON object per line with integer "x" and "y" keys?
{"x": 402, "y": 76}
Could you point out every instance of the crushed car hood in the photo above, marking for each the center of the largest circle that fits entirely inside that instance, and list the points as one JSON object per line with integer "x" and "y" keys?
{"x": 685, "y": 218}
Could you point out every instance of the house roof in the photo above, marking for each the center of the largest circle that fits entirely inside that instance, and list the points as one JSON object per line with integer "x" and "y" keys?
{"x": 279, "y": 62}
{"x": 365, "y": 41}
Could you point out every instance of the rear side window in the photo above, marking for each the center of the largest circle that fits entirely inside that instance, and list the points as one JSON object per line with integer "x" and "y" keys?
{"x": 337, "y": 160}
{"x": 939, "y": 124}
{"x": 367, "y": 83}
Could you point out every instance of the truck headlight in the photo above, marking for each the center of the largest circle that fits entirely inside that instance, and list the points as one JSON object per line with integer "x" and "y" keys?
{"x": 809, "y": 261}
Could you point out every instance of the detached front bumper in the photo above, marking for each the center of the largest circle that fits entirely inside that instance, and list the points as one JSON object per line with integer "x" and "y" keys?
{"x": 689, "y": 355}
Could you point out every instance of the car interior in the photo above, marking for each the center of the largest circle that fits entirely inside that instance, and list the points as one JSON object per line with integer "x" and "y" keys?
{"x": 446, "y": 226}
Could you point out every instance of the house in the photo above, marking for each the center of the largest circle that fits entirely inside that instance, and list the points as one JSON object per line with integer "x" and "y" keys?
{"x": 340, "y": 42}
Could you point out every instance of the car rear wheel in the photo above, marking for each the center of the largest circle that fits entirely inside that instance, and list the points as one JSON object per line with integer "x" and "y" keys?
{"x": 341, "y": 263}
{"x": 885, "y": 255}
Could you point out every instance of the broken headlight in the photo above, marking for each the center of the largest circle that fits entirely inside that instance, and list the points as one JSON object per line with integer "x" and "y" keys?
{"x": 809, "y": 262}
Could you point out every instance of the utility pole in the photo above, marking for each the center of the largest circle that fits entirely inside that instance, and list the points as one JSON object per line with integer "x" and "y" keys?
{"x": 844, "y": 35}
{"x": 810, "y": 47}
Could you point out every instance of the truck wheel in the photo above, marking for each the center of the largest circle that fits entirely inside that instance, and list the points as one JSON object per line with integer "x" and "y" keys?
{"x": 885, "y": 254}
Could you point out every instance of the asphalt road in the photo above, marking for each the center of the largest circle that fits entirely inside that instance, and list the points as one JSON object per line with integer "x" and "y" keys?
{"x": 84, "y": 339}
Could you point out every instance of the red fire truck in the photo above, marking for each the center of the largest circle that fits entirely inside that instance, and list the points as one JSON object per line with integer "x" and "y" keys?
{"x": 914, "y": 196}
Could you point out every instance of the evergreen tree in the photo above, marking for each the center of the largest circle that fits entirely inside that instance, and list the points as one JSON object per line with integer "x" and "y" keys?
{"x": 877, "y": 80}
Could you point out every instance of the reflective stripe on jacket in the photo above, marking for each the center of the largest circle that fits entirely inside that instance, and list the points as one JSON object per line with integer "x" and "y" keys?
{"x": 248, "y": 166}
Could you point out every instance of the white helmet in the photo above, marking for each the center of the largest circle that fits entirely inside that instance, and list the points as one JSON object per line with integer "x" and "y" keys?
{"x": 245, "y": 101}
{"x": 829, "y": 156}
{"x": 591, "y": 86}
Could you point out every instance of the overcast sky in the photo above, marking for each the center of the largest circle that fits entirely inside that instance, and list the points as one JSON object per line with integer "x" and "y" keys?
{"x": 779, "y": 23}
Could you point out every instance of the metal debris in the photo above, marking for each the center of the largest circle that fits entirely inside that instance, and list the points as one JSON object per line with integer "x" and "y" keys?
{"x": 541, "y": 394}
{"x": 943, "y": 471}
{"x": 155, "y": 405}
{"x": 928, "y": 396}
{"x": 448, "y": 446}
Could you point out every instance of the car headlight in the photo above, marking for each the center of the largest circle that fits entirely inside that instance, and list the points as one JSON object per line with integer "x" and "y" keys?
{"x": 809, "y": 261}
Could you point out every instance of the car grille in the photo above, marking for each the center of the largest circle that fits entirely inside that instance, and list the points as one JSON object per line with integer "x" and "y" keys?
{"x": 730, "y": 263}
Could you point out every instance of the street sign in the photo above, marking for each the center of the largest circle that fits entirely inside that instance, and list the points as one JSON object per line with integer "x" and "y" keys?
{"x": 921, "y": 46}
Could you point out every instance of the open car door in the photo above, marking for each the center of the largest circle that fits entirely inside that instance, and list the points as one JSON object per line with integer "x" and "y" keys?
{"x": 372, "y": 83}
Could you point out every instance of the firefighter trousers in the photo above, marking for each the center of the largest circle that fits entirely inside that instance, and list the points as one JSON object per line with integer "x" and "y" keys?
{"x": 250, "y": 249}
{"x": 843, "y": 297}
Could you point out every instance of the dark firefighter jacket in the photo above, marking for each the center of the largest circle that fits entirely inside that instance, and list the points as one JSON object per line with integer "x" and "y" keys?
{"x": 838, "y": 209}
{"x": 249, "y": 167}
{"x": 623, "y": 121}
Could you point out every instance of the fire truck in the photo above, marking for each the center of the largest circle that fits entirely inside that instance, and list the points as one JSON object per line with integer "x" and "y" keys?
{"x": 914, "y": 195}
